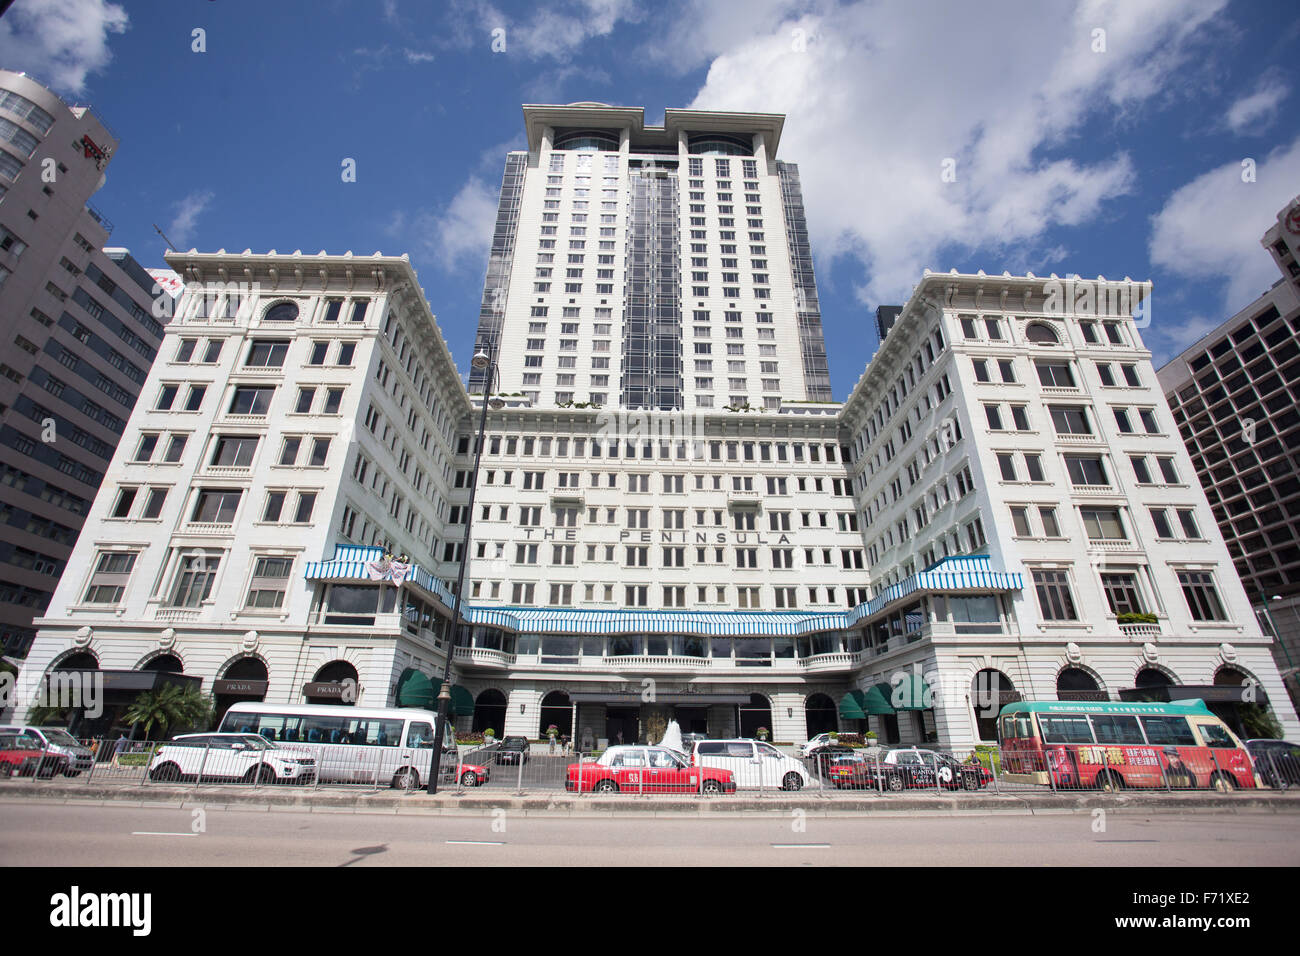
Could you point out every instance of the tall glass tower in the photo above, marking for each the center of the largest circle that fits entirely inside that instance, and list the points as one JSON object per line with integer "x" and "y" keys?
{"x": 653, "y": 266}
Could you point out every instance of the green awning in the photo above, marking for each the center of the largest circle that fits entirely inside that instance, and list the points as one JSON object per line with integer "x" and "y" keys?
{"x": 416, "y": 689}
{"x": 851, "y": 706}
{"x": 911, "y": 693}
{"x": 462, "y": 701}
{"x": 875, "y": 700}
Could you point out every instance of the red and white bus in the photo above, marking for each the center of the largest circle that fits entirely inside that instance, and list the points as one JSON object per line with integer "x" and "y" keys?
{"x": 1073, "y": 744}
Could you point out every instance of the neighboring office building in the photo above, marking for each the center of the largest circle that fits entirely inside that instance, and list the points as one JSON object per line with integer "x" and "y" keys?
{"x": 78, "y": 340}
{"x": 972, "y": 520}
{"x": 1234, "y": 395}
{"x": 659, "y": 267}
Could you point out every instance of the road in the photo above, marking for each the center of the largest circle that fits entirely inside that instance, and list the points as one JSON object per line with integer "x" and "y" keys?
{"x": 33, "y": 833}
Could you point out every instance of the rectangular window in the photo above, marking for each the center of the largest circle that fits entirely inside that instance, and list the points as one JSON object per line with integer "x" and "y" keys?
{"x": 216, "y": 506}
{"x": 1055, "y": 601}
{"x": 270, "y": 582}
{"x": 195, "y": 580}
{"x": 112, "y": 572}
{"x": 1202, "y": 597}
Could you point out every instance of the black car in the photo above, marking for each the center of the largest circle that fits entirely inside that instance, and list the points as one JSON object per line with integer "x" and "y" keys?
{"x": 512, "y": 751}
{"x": 1276, "y": 761}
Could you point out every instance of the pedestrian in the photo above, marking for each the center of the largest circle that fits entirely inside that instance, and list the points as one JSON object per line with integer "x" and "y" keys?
{"x": 119, "y": 748}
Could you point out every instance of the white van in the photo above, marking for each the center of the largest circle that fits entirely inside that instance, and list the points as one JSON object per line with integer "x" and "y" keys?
{"x": 754, "y": 765}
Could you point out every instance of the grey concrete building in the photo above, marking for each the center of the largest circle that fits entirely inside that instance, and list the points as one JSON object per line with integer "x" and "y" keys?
{"x": 1234, "y": 395}
{"x": 78, "y": 337}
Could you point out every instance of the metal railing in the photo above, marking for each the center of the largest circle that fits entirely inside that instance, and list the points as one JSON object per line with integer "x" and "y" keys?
{"x": 644, "y": 772}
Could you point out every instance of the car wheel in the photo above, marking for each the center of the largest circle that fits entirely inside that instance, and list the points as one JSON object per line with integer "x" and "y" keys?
{"x": 469, "y": 779}
{"x": 895, "y": 783}
{"x": 709, "y": 786}
{"x": 970, "y": 781}
{"x": 72, "y": 773}
{"x": 406, "y": 779}
{"x": 792, "y": 781}
{"x": 165, "y": 773}
{"x": 606, "y": 786}
{"x": 6, "y": 769}
{"x": 1224, "y": 783}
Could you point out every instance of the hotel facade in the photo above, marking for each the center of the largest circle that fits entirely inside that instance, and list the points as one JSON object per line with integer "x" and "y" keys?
{"x": 1002, "y": 508}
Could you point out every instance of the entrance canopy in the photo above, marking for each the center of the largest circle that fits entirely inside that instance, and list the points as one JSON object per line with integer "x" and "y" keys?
{"x": 875, "y": 700}
{"x": 851, "y": 705}
{"x": 417, "y": 689}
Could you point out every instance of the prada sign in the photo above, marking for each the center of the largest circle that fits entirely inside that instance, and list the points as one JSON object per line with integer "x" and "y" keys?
{"x": 240, "y": 688}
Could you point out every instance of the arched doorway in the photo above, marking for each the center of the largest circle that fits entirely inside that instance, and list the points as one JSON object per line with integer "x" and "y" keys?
{"x": 490, "y": 711}
{"x": 556, "y": 710}
{"x": 757, "y": 713}
{"x": 1247, "y": 713}
{"x": 1151, "y": 679}
{"x": 165, "y": 664}
{"x": 335, "y": 683}
{"x": 1075, "y": 683}
{"x": 819, "y": 710}
{"x": 245, "y": 679}
{"x": 991, "y": 690}
{"x": 67, "y": 690}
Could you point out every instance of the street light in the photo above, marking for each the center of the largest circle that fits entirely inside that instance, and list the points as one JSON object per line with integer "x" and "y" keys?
{"x": 482, "y": 361}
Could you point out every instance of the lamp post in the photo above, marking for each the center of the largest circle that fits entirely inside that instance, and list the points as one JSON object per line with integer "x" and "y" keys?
{"x": 485, "y": 361}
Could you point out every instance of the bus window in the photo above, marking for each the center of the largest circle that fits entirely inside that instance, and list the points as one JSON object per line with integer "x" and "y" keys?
{"x": 387, "y": 733}
{"x": 1008, "y": 727}
{"x": 1116, "y": 729}
{"x": 321, "y": 730}
{"x": 1168, "y": 730}
{"x": 1215, "y": 735}
{"x": 419, "y": 734}
{"x": 277, "y": 726}
{"x": 1069, "y": 729}
{"x": 1025, "y": 726}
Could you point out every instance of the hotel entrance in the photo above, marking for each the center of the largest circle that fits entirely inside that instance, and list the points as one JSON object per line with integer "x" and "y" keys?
{"x": 627, "y": 714}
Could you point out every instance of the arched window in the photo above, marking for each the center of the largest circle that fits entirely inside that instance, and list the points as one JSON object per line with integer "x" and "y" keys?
{"x": 991, "y": 690}
{"x": 336, "y": 672}
{"x": 80, "y": 661}
{"x": 819, "y": 710}
{"x": 490, "y": 712}
{"x": 281, "y": 312}
{"x": 757, "y": 713}
{"x": 165, "y": 663}
{"x": 556, "y": 710}
{"x": 1075, "y": 683}
{"x": 1041, "y": 334}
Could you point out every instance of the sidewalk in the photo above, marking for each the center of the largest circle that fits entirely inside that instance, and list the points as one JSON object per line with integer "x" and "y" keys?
{"x": 358, "y": 800}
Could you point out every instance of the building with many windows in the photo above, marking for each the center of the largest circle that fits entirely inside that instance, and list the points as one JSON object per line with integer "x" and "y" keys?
{"x": 79, "y": 336}
{"x": 653, "y": 266}
{"x": 1002, "y": 508}
{"x": 1233, "y": 395}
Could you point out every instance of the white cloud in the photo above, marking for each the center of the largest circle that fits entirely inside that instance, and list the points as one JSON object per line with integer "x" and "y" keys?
{"x": 188, "y": 211}
{"x": 556, "y": 30}
{"x": 60, "y": 41}
{"x": 460, "y": 235}
{"x": 885, "y": 92}
{"x": 1252, "y": 114}
{"x": 1211, "y": 227}
{"x": 417, "y": 56}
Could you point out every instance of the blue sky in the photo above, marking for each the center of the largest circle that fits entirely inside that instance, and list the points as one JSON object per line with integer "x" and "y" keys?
{"x": 1114, "y": 153}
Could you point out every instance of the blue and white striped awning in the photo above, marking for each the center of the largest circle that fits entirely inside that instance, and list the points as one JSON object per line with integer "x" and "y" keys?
{"x": 970, "y": 574}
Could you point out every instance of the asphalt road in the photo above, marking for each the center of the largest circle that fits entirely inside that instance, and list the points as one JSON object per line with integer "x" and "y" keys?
{"x": 40, "y": 834}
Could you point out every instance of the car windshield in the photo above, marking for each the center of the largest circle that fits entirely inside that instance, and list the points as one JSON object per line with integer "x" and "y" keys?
{"x": 61, "y": 737}
{"x": 259, "y": 743}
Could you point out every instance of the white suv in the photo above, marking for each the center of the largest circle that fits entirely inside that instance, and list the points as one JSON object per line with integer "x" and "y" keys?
{"x": 245, "y": 757}
{"x": 753, "y": 764}
{"x": 821, "y": 740}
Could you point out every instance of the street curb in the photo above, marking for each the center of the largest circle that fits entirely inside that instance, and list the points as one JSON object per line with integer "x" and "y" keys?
{"x": 323, "y": 801}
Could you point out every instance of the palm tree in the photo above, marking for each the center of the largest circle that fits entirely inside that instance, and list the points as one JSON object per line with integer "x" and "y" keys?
{"x": 169, "y": 706}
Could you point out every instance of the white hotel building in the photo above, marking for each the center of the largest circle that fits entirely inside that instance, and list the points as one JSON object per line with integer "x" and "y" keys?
{"x": 1002, "y": 507}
